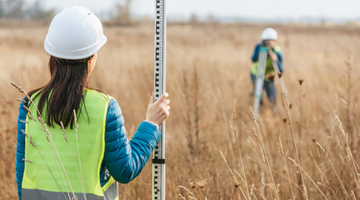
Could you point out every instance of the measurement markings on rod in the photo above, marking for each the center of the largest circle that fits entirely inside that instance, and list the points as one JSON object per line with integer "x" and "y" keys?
{"x": 158, "y": 177}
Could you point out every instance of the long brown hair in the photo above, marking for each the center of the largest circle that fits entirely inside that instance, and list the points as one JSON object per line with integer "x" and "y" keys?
{"x": 64, "y": 92}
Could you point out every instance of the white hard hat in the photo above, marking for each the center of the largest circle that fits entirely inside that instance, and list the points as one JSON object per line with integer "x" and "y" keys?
{"x": 75, "y": 33}
{"x": 269, "y": 34}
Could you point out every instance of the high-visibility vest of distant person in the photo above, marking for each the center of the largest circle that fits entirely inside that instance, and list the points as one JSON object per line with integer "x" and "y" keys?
{"x": 82, "y": 155}
{"x": 269, "y": 38}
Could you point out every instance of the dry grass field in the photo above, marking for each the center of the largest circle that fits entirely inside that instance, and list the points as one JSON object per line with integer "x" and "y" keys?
{"x": 208, "y": 67}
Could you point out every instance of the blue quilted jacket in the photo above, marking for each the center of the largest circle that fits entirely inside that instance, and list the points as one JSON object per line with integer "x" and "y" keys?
{"x": 123, "y": 160}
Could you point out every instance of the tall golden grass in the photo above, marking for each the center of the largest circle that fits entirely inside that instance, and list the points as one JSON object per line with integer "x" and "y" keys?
{"x": 214, "y": 148}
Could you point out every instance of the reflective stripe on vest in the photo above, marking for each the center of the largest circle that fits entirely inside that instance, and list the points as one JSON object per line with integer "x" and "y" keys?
{"x": 269, "y": 68}
{"x": 110, "y": 194}
{"x": 38, "y": 182}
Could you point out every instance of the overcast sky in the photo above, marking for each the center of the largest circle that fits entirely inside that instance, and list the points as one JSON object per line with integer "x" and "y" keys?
{"x": 243, "y": 8}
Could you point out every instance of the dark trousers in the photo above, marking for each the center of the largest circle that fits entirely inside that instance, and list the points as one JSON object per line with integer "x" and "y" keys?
{"x": 269, "y": 87}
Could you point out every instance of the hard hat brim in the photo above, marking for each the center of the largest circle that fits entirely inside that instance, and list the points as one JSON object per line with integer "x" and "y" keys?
{"x": 74, "y": 54}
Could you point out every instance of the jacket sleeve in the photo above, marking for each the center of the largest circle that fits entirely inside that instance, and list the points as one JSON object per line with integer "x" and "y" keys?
{"x": 20, "y": 149}
{"x": 255, "y": 55}
{"x": 279, "y": 62}
{"x": 125, "y": 160}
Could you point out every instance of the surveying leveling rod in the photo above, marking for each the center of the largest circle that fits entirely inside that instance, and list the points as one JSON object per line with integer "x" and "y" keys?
{"x": 260, "y": 75}
{"x": 158, "y": 167}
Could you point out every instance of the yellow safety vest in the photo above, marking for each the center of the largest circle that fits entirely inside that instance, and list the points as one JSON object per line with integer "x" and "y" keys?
{"x": 39, "y": 184}
{"x": 269, "y": 66}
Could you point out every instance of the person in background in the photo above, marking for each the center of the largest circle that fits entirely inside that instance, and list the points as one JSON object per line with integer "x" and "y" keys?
{"x": 269, "y": 38}
{"x": 81, "y": 156}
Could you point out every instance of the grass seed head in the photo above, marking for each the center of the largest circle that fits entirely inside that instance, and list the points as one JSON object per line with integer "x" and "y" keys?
{"x": 321, "y": 147}
{"x": 234, "y": 110}
{"x": 31, "y": 116}
{"x": 27, "y": 109}
{"x": 263, "y": 185}
{"x": 180, "y": 186}
{"x": 25, "y": 122}
{"x": 301, "y": 81}
{"x": 305, "y": 192}
{"x": 17, "y": 87}
{"x": 29, "y": 161}
{"x": 252, "y": 189}
{"x": 31, "y": 142}
{"x": 20, "y": 100}
{"x": 26, "y": 135}
{"x": 292, "y": 160}
{"x": 281, "y": 146}
{"x": 62, "y": 126}
{"x": 182, "y": 197}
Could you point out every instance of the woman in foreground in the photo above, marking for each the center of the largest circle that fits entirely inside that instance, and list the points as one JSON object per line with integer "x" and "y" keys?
{"x": 71, "y": 140}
